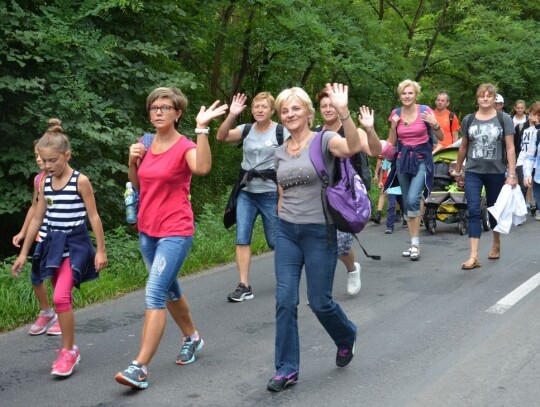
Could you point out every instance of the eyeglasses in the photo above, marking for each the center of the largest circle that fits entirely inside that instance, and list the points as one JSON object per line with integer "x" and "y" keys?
{"x": 163, "y": 108}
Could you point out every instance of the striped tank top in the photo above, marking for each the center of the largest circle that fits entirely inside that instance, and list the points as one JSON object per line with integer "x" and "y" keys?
{"x": 65, "y": 206}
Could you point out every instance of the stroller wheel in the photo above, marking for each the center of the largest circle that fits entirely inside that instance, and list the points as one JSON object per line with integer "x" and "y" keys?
{"x": 433, "y": 229}
{"x": 462, "y": 228}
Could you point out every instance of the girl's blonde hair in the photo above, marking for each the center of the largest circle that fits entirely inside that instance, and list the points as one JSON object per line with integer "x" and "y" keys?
{"x": 54, "y": 138}
{"x": 301, "y": 96}
{"x": 517, "y": 102}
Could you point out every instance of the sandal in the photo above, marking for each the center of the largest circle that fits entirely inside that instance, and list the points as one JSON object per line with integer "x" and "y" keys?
{"x": 495, "y": 253}
{"x": 415, "y": 253}
{"x": 471, "y": 263}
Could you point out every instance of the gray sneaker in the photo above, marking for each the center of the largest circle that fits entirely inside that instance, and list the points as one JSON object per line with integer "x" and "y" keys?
{"x": 241, "y": 293}
{"x": 189, "y": 349}
{"x": 134, "y": 376}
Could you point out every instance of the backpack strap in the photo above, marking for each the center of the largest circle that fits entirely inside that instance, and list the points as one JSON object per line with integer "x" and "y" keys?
{"x": 38, "y": 179}
{"x": 316, "y": 157}
{"x": 279, "y": 134}
{"x": 247, "y": 129}
{"x": 147, "y": 140}
{"x": 451, "y": 118}
{"x": 432, "y": 138}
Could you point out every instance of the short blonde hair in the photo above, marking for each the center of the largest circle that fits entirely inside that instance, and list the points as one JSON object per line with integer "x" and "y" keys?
{"x": 407, "y": 82}
{"x": 299, "y": 94}
{"x": 264, "y": 96}
{"x": 486, "y": 87}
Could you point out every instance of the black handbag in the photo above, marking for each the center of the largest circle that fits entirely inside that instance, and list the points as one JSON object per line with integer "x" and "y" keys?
{"x": 229, "y": 217}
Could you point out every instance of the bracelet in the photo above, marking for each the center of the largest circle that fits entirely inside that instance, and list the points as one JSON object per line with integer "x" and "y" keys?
{"x": 345, "y": 117}
{"x": 202, "y": 131}
{"x": 511, "y": 176}
{"x": 437, "y": 128}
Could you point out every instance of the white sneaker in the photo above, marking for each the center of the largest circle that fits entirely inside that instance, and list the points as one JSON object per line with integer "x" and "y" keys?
{"x": 537, "y": 215}
{"x": 353, "y": 280}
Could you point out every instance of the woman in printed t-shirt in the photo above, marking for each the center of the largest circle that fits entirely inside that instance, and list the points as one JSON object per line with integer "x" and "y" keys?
{"x": 485, "y": 144}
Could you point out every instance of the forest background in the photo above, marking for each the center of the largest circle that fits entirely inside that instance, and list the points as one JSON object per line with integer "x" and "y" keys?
{"x": 92, "y": 63}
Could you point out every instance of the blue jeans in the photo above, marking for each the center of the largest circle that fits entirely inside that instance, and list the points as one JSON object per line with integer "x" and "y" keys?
{"x": 248, "y": 206}
{"x": 474, "y": 183}
{"x": 391, "y": 209}
{"x": 163, "y": 257}
{"x": 313, "y": 246}
{"x": 411, "y": 190}
{"x": 536, "y": 193}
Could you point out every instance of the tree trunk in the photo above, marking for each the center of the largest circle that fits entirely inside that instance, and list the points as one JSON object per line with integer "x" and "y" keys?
{"x": 220, "y": 45}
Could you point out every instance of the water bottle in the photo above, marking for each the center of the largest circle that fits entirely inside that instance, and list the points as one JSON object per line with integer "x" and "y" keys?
{"x": 131, "y": 198}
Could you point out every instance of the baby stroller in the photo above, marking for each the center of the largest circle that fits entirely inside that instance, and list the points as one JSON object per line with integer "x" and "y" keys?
{"x": 446, "y": 201}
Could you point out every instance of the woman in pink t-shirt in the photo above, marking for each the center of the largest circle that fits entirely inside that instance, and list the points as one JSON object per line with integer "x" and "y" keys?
{"x": 165, "y": 222}
{"x": 413, "y": 162}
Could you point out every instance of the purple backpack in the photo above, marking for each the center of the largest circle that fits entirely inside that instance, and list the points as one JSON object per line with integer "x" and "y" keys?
{"x": 347, "y": 197}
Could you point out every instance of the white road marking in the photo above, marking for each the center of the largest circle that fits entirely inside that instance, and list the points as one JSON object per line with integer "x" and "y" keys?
{"x": 511, "y": 299}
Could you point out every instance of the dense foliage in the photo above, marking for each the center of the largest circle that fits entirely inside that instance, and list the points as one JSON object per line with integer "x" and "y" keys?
{"x": 92, "y": 63}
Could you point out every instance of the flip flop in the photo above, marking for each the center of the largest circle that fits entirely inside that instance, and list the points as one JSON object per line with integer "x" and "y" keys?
{"x": 494, "y": 254}
{"x": 468, "y": 265}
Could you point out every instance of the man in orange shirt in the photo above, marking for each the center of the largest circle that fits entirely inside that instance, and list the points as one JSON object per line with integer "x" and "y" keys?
{"x": 447, "y": 120}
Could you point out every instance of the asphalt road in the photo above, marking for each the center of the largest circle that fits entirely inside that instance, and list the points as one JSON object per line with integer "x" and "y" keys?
{"x": 425, "y": 338}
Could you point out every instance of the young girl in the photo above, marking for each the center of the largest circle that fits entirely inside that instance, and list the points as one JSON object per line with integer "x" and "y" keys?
{"x": 519, "y": 113}
{"x": 47, "y": 321}
{"x": 66, "y": 254}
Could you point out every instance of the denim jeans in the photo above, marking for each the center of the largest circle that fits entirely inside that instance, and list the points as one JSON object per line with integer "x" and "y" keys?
{"x": 163, "y": 257}
{"x": 411, "y": 189}
{"x": 313, "y": 246}
{"x": 248, "y": 206}
{"x": 474, "y": 183}
{"x": 536, "y": 193}
{"x": 391, "y": 209}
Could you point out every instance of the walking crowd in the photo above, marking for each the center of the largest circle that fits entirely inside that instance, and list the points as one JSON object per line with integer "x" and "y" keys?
{"x": 278, "y": 181}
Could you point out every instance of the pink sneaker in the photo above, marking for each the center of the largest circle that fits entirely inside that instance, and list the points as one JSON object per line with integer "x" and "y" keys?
{"x": 66, "y": 362}
{"x": 54, "y": 329}
{"x": 42, "y": 323}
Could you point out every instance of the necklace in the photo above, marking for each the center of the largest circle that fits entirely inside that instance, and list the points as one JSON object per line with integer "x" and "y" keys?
{"x": 406, "y": 121}
{"x": 296, "y": 150}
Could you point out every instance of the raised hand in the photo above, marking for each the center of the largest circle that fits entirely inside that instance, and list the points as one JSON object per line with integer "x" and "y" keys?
{"x": 206, "y": 115}
{"x": 366, "y": 117}
{"x": 339, "y": 97}
{"x": 429, "y": 117}
{"x": 238, "y": 104}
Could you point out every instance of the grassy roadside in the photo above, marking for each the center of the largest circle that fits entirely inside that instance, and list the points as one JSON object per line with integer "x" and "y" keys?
{"x": 212, "y": 245}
